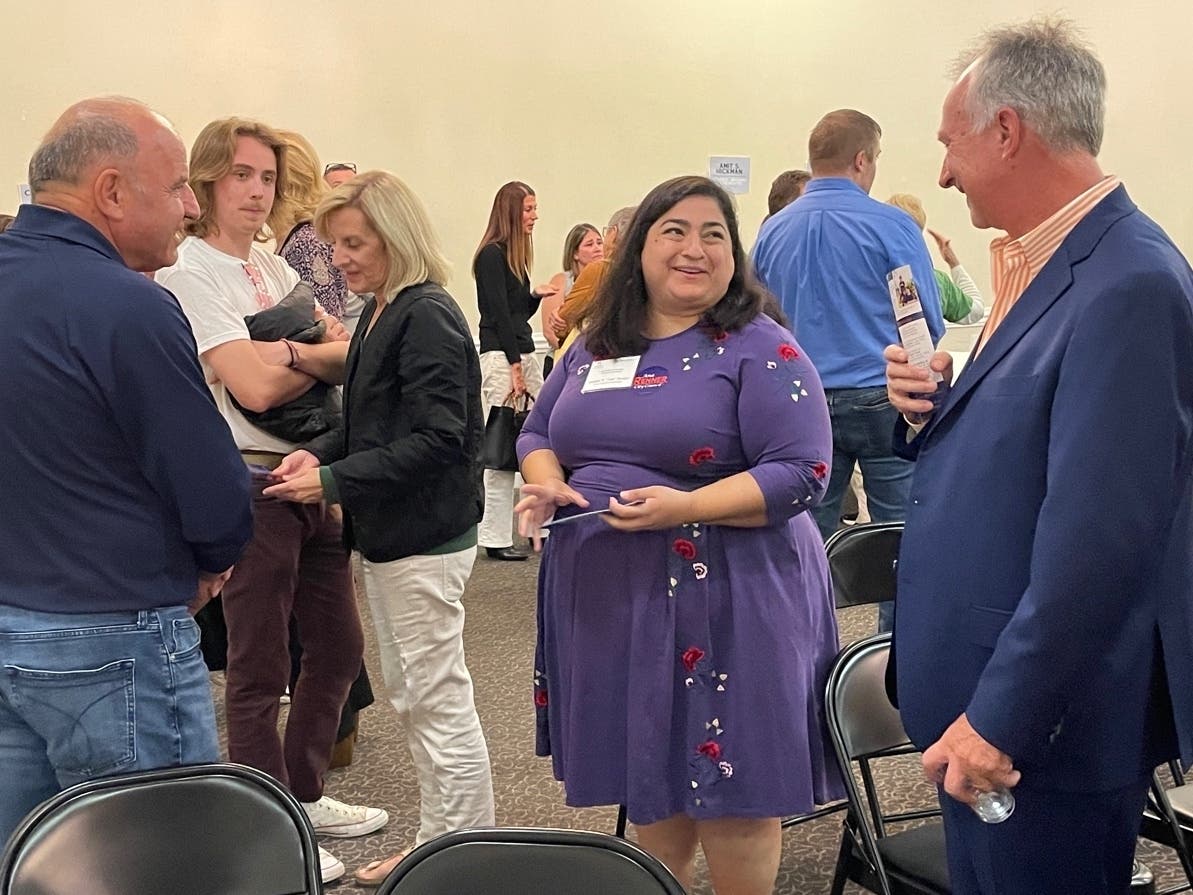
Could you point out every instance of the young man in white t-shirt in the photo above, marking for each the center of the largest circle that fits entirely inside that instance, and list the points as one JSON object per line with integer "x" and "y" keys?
{"x": 296, "y": 561}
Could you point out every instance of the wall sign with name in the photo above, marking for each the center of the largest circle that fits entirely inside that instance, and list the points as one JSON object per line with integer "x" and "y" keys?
{"x": 730, "y": 171}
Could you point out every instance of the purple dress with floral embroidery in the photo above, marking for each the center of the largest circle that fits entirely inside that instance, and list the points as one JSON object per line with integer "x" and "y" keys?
{"x": 683, "y": 671}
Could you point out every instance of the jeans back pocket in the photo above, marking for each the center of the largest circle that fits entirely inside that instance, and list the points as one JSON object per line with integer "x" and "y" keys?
{"x": 86, "y": 716}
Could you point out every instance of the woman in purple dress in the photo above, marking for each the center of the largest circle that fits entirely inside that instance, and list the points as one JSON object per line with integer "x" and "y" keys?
{"x": 685, "y": 634}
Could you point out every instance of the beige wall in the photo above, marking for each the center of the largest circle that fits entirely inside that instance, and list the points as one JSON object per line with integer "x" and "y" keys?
{"x": 592, "y": 104}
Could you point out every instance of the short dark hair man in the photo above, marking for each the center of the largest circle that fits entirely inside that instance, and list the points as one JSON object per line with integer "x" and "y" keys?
{"x": 1046, "y": 572}
{"x": 827, "y": 257}
{"x": 785, "y": 189}
{"x": 124, "y": 497}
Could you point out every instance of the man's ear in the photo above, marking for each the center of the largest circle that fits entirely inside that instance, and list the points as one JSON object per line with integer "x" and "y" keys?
{"x": 1010, "y": 131}
{"x": 860, "y": 161}
{"x": 110, "y": 189}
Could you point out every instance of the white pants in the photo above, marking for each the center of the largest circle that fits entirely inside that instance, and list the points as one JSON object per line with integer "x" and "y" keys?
{"x": 415, "y": 603}
{"x": 497, "y": 526}
{"x": 855, "y": 482}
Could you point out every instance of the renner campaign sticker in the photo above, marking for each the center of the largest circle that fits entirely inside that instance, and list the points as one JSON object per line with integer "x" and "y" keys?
{"x": 651, "y": 377}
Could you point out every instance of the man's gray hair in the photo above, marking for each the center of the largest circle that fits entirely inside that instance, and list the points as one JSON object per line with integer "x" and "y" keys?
{"x": 621, "y": 218}
{"x": 95, "y": 131}
{"x": 1045, "y": 72}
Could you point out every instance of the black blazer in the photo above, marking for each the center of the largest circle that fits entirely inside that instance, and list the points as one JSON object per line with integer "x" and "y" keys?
{"x": 406, "y": 459}
{"x": 506, "y": 305}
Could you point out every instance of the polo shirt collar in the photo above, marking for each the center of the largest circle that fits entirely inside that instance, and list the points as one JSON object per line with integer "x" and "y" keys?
{"x": 42, "y": 220}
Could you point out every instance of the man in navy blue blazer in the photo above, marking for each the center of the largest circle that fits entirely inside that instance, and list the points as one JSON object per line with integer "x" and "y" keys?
{"x": 1044, "y": 623}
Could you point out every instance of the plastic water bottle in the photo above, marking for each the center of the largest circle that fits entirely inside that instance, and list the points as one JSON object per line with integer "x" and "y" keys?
{"x": 994, "y": 806}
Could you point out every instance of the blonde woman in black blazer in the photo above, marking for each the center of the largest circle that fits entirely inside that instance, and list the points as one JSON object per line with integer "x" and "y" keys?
{"x": 404, "y": 466}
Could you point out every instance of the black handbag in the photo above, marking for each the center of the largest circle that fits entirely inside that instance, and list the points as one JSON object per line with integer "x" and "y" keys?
{"x": 502, "y": 428}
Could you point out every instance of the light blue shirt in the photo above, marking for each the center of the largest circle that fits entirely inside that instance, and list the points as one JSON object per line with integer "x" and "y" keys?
{"x": 826, "y": 257}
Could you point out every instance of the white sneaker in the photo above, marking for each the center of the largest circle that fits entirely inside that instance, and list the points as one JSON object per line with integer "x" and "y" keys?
{"x": 330, "y": 867}
{"x": 332, "y": 818}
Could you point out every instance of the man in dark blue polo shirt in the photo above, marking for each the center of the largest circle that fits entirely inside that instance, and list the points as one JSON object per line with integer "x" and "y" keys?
{"x": 125, "y": 499}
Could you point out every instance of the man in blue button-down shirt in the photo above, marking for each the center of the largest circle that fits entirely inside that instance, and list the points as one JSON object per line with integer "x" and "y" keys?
{"x": 125, "y": 499}
{"x": 826, "y": 257}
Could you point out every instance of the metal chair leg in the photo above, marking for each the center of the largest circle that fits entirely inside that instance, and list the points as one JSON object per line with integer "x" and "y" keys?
{"x": 1181, "y": 844}
{"x": 841, "y": 871}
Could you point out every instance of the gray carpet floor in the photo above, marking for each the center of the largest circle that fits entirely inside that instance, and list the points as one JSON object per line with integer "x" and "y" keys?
{"x": 499, "y": 641}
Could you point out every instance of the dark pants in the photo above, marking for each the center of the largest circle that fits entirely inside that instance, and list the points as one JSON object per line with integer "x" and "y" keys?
{"x": 296, "y": 563}
{"x": 1054, "y": 844}
{"x": 215, "y": 655}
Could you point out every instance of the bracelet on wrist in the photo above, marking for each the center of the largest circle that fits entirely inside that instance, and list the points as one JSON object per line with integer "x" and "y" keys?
{"x": 293, "y": 353}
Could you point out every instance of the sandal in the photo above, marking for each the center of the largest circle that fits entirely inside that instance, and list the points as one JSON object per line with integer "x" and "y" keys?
{"x": 374, "y": 873}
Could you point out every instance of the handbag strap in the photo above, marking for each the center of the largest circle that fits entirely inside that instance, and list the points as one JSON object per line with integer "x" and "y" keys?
{"x": 526, "y": 399}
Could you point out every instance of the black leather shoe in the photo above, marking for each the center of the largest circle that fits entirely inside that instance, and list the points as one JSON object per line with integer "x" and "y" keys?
{"x": 507, "y": 553}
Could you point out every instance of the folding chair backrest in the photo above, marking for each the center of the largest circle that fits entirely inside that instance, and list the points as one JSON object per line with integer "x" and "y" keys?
{"x": 516, "y": 861}
{"x": 198, "y": 830}
{"x": 862, "y": 560}
{"x": 861, "y": 717}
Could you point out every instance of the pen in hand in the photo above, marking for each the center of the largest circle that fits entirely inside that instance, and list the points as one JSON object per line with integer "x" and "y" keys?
{"x": 565, "y": 519}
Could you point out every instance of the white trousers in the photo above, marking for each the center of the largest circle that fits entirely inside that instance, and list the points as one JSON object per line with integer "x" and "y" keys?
{"x": 855, "y": 482}
{"x": 497, "y": 525}
{"x": 415, "y": 604}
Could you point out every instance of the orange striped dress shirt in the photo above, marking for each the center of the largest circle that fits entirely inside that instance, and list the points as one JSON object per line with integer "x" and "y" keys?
{"x": 1014, "y": 263}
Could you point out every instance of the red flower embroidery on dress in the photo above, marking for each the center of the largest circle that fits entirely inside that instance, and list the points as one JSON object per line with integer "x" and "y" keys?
{"x": 540, "y": 698}
{"x": 684, "y": 548}
{"x": 701, "y": 454}
{"x": 788, "y": 352}
{"x": 710, "y": 749}
{"x": 820, "y": 469}
{"x": 720, "y": 335}
{"x": 691, "y": 657}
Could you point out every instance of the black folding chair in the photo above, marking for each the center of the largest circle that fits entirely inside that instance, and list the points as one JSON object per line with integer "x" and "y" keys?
{"x": 213, "y": 829}
{"x": 862, "y": 560}
{"x": 1168, "y": 819}
{"x": 520, "y": 861}
{"x": 864, "y": 728}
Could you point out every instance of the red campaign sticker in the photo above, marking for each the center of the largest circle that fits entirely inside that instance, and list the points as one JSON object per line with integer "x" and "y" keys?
{"x": 651, "y": 377}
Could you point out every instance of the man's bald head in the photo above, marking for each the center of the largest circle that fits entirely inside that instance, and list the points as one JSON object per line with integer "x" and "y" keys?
{"x": 98, "y": 131}
{"x": 118, "y": 165}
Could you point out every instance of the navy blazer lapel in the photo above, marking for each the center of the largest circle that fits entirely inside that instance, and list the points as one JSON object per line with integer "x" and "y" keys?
{"x": 1049, "y": 285}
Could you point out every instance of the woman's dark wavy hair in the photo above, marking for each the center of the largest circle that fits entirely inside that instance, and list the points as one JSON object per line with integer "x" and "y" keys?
{"x": 617, "y": 317}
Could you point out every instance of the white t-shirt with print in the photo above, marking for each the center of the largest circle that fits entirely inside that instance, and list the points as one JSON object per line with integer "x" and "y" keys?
{"x": 217, "y": 291}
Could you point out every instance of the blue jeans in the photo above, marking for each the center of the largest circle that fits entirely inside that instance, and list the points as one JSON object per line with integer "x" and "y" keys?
{"x": 863, "y": 424}
{"x": 89, "y": 695}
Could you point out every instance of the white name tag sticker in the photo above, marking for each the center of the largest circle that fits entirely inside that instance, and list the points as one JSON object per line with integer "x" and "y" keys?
{"x": 617, "y": 372}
